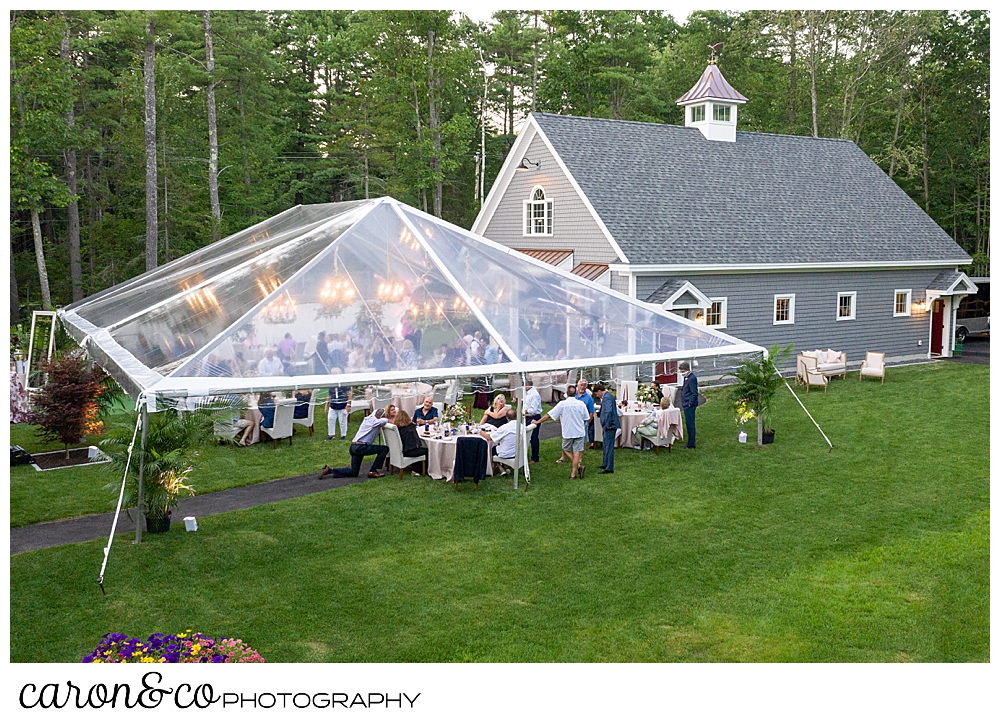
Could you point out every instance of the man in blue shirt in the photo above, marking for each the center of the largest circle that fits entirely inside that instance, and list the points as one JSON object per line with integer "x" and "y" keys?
{"x": 428, "y": 413}
{"x": 689, "y": 400}
{"x": 363, "y": 446}
{"x": 584, "y": 395}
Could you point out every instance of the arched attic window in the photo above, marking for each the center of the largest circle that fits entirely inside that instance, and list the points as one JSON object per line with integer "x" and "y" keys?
{"x": 538, "y": 214}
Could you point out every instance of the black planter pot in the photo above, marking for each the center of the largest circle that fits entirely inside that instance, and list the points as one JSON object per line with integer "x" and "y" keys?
{"x": 157, "y": 525}
{"x": 768, "y": 438}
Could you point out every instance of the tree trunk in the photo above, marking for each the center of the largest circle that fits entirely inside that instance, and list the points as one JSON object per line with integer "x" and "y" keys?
{"x": 895, "y": 131}
{"x": 792, "y": 37}
{"x": 152, "y": 226}
{"x": 434, "y": 125}
{"x": 73, "y": 210}
{"x": 43, "y": 274}
{"x": 243, "y": 137}
{"x": 15, "y": 302}
{"x": 420, "y": 143}
{"x": 813, "y": 63}
{"x": 213, "y": 136}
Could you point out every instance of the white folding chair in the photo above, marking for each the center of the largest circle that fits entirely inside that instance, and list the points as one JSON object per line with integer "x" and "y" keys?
{"x": 395, "y": 444}
{"x": 307, "y": 421}
{"x": 525, "y": 442}
{"x": 284, "y": 412}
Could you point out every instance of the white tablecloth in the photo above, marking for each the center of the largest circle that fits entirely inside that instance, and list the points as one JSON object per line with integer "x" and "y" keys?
{"x": 441, "y": 457}
{"x": 630, "y": 420}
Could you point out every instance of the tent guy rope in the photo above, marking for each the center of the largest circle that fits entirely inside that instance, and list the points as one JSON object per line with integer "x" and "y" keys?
{"x": 121, "y": 496}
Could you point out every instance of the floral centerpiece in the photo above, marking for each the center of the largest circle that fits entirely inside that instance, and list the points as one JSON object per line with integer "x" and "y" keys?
{"x": 454, "y": 414}
{"x": 186, "y": 647}
{"x": 647, "y": 394}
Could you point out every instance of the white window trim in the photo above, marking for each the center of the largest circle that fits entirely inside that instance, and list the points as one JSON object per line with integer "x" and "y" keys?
{"x": 720, "y": 106}
{"x": 723, "y": 320}
{"x": 704, "y": 107}
{"x": 549, "y": 213}
{"x": 791, "y": 309}
{"x": 909, "y": 300}
{"x": 854, "y": 305}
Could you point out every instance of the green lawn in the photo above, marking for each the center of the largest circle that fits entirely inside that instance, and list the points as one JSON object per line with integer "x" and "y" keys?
{"x": 57, "y": 494}
{"x": 877, "y": 551}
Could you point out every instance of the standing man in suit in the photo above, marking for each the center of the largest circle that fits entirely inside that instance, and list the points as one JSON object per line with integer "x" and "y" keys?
{"x": 610, "y": 423}
{"x": 689, "y": 400}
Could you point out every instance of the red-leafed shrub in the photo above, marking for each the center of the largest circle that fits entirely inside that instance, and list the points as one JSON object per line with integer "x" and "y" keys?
{"x": 66, "y": 407}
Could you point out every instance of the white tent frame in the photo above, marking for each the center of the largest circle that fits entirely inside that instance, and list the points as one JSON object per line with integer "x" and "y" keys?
{"x": 150, "y": 387}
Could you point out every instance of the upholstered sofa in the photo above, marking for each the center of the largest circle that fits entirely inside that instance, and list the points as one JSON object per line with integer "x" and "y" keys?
{"x": 831, "y": 363}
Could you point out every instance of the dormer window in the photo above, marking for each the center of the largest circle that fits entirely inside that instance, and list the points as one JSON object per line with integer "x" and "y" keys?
{"x": 721, "y": 112}
{"x": 538, "y": 214}
{"x": 697, "y": 113}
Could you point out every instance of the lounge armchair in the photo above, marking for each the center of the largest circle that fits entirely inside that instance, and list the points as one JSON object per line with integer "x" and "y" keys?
{"x": 873, "y": 366}
{"x": 812, "y": 376}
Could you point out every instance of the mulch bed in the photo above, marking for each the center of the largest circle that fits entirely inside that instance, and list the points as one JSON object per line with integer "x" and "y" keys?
{"x": 54, "y": 460}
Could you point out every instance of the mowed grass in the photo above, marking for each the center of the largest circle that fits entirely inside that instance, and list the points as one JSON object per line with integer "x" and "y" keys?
{"x": 60, "y": 493}
{"x": 877, "y": 551}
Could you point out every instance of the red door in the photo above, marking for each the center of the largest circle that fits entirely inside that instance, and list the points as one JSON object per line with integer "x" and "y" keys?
{"x": 937, "y": 326}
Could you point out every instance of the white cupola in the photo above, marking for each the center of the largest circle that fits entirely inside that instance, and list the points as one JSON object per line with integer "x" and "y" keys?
{"x": 710, "y": 106}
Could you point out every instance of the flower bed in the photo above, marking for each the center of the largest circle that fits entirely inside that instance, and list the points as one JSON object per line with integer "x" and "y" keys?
{"x": 186, "y": 647}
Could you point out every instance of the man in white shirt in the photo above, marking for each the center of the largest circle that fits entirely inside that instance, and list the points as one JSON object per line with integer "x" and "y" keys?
{"x": 504, "y": 437}
{"x": 532, "y": 413}
{"x": 270, "y": 365}
{"x": 573, "y": 415}
{"x": 364, "y": 445}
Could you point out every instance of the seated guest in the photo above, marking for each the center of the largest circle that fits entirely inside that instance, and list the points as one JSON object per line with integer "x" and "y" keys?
{"x": 504, "y": 437}
{"x": 302, "y": 408}
{"x": 497, "y": 414}
{"x": 252, "y": 415}
{"x": 412, "y": 444}
{"x": 441, "y": 356}
{"x": 265, "y": 402}
{"x": 428, "y": 413}
{"x": 270, "y": 365}
{"x": 658, "y": 390}
{"x": 363, "y": 446}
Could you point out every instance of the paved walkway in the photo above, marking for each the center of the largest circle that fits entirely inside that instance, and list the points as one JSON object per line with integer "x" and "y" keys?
{"x": 976, "y": 350}
{"x": 95, "y": 527}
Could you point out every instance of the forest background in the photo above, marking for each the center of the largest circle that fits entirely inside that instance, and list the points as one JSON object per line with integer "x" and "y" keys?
{"x": 139, "y": 136}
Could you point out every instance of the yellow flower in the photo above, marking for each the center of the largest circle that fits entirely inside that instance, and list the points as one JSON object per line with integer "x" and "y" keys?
{"x": 196, "y": 648}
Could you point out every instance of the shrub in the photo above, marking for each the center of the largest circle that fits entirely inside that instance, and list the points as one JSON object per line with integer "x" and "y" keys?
{"x": 66, "y": 407}
{"x": 171, "y": 444}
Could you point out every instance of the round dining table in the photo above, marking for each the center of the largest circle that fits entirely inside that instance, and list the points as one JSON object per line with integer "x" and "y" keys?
{"x": 441, "y": 454}
{"x": 630, "y": 419}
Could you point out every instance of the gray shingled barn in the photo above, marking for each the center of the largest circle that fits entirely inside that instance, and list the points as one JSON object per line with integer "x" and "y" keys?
{"x": 774, "y": 238}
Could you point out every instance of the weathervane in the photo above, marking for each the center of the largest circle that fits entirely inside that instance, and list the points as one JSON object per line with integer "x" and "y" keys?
{"x": 715, "y": 52}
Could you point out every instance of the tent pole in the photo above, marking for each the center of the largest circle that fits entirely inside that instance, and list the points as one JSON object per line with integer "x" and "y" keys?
{"x": 519, "y": 422}
{"x": 140, "y": 515}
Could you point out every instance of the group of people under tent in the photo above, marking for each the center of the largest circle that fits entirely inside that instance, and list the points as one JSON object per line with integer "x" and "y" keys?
{"x": 576, "y": 414}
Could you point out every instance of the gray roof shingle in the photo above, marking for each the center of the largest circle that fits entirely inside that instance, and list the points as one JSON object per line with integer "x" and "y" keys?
{"x": 669, "y": 195}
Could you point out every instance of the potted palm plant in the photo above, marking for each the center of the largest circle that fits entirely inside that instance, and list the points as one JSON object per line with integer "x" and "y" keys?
{"x": 756, "y": 382}
{"x": 171, "y": 445}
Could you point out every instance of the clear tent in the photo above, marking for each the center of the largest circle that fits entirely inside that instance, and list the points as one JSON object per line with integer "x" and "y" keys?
{"x": 394, "y": 292}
